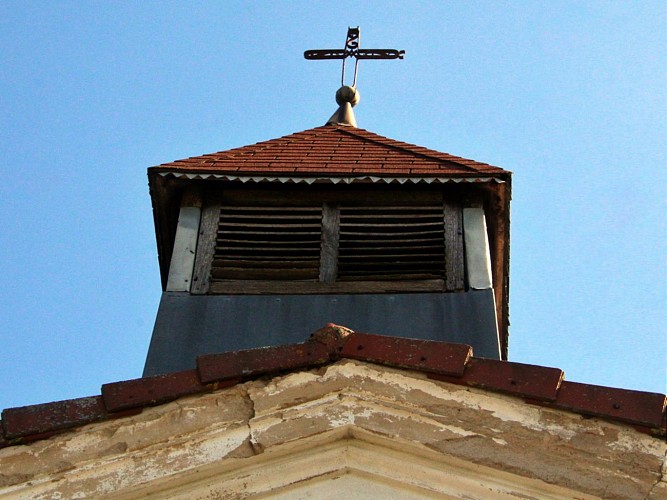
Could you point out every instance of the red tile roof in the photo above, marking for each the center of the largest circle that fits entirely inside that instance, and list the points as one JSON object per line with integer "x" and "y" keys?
{"x": 442, "y": 361}
{"x": 336, "y": 151}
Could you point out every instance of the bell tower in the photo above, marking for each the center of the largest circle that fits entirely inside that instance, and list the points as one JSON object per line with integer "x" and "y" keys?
{"x": 263, "y": 244}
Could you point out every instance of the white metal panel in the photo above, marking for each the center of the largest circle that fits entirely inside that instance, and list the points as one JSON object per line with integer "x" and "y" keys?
{"x": 478, "y": 256}
{"x": 185, "y": 246}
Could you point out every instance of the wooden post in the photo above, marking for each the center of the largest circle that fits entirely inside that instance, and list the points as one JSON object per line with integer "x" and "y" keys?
{"x": 208, "y": 233}
{"x": 329, "y": 252}
{"x": 454, "y": 255}
{"x": 185, "y": 243}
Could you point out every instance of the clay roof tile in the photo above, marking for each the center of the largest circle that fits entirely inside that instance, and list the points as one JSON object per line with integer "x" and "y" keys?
{"x": 330, "y": 148}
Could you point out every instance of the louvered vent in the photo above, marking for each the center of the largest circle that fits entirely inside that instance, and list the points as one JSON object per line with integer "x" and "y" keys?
{"x": 391, "y": 243}
{"x": 268, "y": 243}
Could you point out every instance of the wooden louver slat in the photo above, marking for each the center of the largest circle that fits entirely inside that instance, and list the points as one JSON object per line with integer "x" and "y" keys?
{"x": 267, "y": 243}
{"x": 391, "y": 243}
{"x": 334, "y": 242}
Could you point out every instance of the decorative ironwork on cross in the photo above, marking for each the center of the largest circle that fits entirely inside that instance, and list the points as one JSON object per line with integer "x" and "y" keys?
{"x": 352, "y": 49}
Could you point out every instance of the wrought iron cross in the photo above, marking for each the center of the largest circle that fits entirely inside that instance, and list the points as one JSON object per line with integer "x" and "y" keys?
{"x": 352, "y": 49}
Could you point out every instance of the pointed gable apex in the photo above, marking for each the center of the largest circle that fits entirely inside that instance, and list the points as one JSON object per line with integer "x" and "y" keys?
{"x": 333, "y": 151}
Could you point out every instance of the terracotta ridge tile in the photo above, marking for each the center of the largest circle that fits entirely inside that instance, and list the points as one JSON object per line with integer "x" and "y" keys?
{"x": 261, "y": 361}
{"x": 51, "y": 417}
{"x": 150, "y": 391}
{"x": 424, "y": 355}
{"x": 529, "y": 381}
{"x": 635, "y": 407}
{"x": 318, "y": 349}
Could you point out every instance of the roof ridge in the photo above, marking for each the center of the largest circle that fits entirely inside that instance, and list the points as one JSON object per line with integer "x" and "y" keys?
{"x": 400, "y": 145}
{"x": 441, "y": 361}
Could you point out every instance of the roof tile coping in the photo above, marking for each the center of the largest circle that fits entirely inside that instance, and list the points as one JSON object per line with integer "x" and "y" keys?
{"x": 633, "y": 407}
{"x": 155, "y": 390}
{"x": 29, "y": 423}
{"x": 441, "y": 361}
{"x": 437, "y": 358}
{"x": 519, "y": 379}
{"x": 265, "y": 360}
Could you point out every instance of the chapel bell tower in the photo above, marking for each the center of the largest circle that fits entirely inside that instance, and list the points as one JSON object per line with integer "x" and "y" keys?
{"x": 263, "y": 244}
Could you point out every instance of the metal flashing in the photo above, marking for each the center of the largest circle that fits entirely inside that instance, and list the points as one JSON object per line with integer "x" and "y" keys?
{"x": 333, "y": 180}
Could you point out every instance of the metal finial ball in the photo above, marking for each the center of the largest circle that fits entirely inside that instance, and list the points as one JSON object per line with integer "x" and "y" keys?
{"x": 347, "y": 94}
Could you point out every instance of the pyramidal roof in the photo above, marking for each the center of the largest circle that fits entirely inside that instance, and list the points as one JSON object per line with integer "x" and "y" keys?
{"x": 335, "y": 151}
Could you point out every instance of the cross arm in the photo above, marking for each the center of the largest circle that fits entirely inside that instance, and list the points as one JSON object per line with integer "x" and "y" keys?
{"x": 379, "y": 54}
{"x": 326, "y": 54}
{"x": 359, "y": 54}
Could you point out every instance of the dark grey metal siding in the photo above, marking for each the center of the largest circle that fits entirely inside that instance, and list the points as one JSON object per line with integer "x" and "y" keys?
{"x": 188, "y": 326}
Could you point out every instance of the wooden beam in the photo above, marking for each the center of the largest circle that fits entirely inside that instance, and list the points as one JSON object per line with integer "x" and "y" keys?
{"x": 353, "y": 196}
{"x": 208, "y": 228}
{"x": 311, "y": 287}
{"x": 282, "y": 274}
{"x": 329, "y": 248}
{"x": 192, "y": 197}
{"x": 454, "y": 255}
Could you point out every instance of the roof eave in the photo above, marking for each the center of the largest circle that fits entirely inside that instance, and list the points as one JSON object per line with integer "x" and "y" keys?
{"x": 334, "y": 178}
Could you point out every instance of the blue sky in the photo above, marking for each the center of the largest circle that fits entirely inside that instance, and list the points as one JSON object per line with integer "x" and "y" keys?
{"x": 569, "y": 96}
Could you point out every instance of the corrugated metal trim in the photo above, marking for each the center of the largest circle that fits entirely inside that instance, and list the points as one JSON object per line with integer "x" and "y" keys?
{"x": 334, "y": 180}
